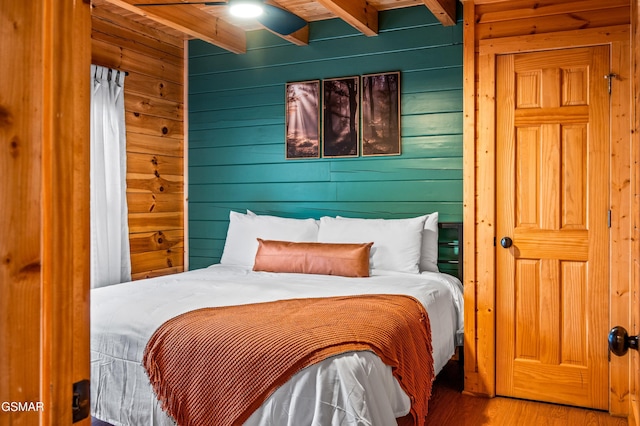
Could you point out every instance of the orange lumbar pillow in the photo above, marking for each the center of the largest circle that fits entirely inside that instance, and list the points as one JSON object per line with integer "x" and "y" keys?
{"x": 345, "y": 259}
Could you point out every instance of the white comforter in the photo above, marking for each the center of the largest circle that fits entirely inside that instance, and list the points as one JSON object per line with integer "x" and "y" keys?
{"x": 354, "y": 388}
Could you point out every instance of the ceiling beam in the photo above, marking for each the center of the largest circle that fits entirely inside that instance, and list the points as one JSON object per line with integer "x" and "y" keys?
{"x": 358, "y": 13}
{"x": 443, "y": 10}
{"x": 193, "y": 21}
{"x": 299, "y": 38}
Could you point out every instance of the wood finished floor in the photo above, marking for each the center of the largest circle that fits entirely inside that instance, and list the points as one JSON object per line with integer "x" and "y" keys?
{"x": 449, "y": 407}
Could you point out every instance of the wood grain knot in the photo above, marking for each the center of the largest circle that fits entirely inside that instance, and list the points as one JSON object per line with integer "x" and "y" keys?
{"x": 6, "y": 119}
{"x": 14, "y": 147}
{"x": 165, "y": 130}
{"x": 33, "y": 267}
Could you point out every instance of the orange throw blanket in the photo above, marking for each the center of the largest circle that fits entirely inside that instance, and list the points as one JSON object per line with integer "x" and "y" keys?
{"x": 216, "y": 366}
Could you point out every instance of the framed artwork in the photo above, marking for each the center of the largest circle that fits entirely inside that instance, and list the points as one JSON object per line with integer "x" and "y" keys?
{"x": 381, "y": 114}
{"x": 302, "y": 119}
{"x": 340, "y": 117}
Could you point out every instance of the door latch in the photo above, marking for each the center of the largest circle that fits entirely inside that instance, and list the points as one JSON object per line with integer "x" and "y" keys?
{"x": 80, "y": 404}
{"x": 610, "y": 77}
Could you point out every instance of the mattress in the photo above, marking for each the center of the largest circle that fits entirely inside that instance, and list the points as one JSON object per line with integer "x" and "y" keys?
{"x": 354, "y": 388}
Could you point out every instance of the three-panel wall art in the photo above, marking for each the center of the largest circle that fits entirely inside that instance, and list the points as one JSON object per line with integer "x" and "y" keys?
{"x": 360, "y": 116}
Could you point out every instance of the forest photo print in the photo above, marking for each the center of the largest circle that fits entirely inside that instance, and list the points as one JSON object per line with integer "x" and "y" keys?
{"x": 360, "y": 116}
{"x": 303, "y": 119}
{"x": 381, "y": 114}
{"x": 340, "y": 117}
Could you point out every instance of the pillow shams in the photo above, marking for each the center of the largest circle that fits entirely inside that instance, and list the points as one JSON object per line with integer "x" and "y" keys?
{"x": 241, "y": 244}
{"x": 348, "y": 260}
{"x": 396, "y": 242}
{"x": 429, "y": 252}
{"x": 251, "y": 213}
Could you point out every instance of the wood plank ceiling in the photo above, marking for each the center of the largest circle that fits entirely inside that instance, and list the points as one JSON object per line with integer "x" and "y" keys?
{"x": 214, "y": 25}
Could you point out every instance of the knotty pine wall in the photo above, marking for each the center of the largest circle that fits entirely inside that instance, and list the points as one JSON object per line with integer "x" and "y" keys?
{"x": 154, "y": 108}
{"x": 527, "y": 25}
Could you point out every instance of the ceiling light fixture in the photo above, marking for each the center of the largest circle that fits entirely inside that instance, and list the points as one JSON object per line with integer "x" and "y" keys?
{"x": 246, "y": 8}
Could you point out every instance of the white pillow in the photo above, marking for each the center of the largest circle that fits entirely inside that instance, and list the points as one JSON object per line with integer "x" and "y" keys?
{"x": 396, "y": 242}
{"x": 429, "y": 252}
{"x": 241, "y": 244}
{"x": 250, "y": 213}
{"x": 429, "y": 249}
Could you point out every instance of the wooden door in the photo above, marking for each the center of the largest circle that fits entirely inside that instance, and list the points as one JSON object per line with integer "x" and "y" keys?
{"x": 552, "y": 294}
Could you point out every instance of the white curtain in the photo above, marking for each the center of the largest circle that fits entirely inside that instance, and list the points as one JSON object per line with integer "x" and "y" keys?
{"x": 110, "y": 258}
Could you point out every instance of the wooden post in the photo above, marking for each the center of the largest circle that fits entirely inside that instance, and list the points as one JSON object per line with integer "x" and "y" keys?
{"x": 44, "y": 220}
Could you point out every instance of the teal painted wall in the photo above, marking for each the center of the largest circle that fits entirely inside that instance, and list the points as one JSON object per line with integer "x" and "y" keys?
{"x": 237, "y": 128}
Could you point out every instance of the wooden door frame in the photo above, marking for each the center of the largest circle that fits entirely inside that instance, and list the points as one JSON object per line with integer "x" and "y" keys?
{"x": 44, "y": 185}
{"x": 480, "y": 209}
{"x": 634, "y": 411}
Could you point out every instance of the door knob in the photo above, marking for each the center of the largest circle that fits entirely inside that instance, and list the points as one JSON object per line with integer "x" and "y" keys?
{"x": 506, "y": 242}
{"x": 620, "y": 341}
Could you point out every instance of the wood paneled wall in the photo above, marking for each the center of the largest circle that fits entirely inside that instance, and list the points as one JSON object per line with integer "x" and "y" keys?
{"x": 528, "y": 25}
{"x": 154, "y": 108}
{"x": 237, "y": 128}
{"x": 498, "y": 19}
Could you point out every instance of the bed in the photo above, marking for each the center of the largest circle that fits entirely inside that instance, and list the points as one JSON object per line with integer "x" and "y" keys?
{"x": 349, "y": 388}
